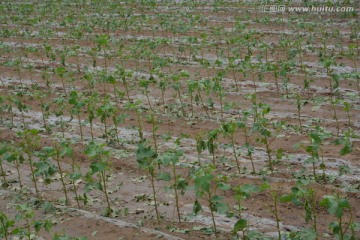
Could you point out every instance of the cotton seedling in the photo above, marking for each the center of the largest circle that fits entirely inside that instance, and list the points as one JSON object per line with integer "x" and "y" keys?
{"x": 206, "y": 186}
{"x": 100, "y": 167}
{"x": 338, "y": 206}
{"x": 179, "y": 184}
{"x": 30, "y": 142}
{"x": 147, "y": 160}
{"x": 229, "y": 129}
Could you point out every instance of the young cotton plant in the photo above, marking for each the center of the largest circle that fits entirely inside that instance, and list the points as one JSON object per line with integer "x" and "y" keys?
{"x": 152, "y": 119}
{"x": 327, "y": 62}
{"x": 3, "y": 150}
{"x": 55, "y": 153}
{"x": 100, "y": 167}
{"x": 317, "y": 138}
{"x": 147, "y": 160}
{"x": 262, "y": 127}
{"x": 304, "y": 196}
{"x": 26, "y": 213}
{"x": 247, "y": 146}
{"x": 105, "y": 111}
{"x": 10, "y": 153}
{"x": 229, "y": 129}
{"x": 207, "y": 183}
{"x": 339, "y": 206}
{"x": 242, "y": 192}
{"x": 219, "y": 89}
{"x": 19, "y": 101}
{"x": 117, "y": 119}
{"x": 177, "y": 86}
{"x": 30, "y": 142}
{"x": 60, "y": 106}
{"x": 178, "y": 183}
{"x": 200, "y": 146}
{"x": 61, "y": 72}
{"x": 76, "y": 99}
{"x": 211, "y": 143}
{"x": 67, "y": 150}
{"x": 44, "y": 106}
{"x": 6, "y": 226}
{"x": 136, "y": 106}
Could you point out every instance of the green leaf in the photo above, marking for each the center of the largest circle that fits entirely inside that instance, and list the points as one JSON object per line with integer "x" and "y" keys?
{"x": 178, "y": 230}
{"x": 91, "y": 150}
{"x": 249, "y": 188}
{"x": 335, "y": 227}
{"x": 48, "y": 150}
{"x": 223, "y": 186}
{"x": 221, "y": 207}
{"x": 264, "y": 186}
{"x": 165, "y": 176}
{"x": 45, "y": 169}
{"x": 343, "y": 169}
{"x": 182, "y": 185}
{"x": 75, "y": 176}
{"x": 286, "y": 198}
{"x": 203, "y": 182}
{"x": 66, "y": 151}
{"x": 197, "y": 207}
{"x": 254, "y": 235}
{"x": 240, "y": 225}
{"x": 97, "y": 167}
{"x": 279, "y": 153}
{"x": 169, "y": 158}
{"x": 48, "y": 225}
{"x": 145, "y": 155}
{"x": 346, "y": 149}
{"x": 335, "y": 205}
{"x": 315, "y": 137}
{"x": 198, "y": 228}
{"x": 37, "y": 226}
{"x": 90, "y": 186}
{"x": 304, "y": 234}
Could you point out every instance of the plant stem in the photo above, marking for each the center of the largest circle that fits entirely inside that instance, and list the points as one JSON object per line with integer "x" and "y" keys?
{"x": 154, "y": 195}
{"x": 221, "y": 106}
{"x": 234, "y": 151}
{"x": 202, "y": 103}
{"x": 153, "y": 133}
{"x": 181, "y": 103}
{"x": 176, "y": 193}
{"x": 63, "y": 83}
{"x": 91, "y": 130}
{"x": 163, "y": 98}
{"x": 61, "y": 176}
{"x": 103, "y": 178}
{"x": 18, "y": 172}
{"x": 276, "y": 213}
{"x": 147, "y": 97}
{"x": 268, "y": 152}
{"x": 212, "y": 213}
{"x": 5, "y": 184}
{"x": 43, "y": 115}
{"x": 139, "y": 126}
{"x": 314, "y": 172}
{"x": 33, "y": 175}
{"x": 76, "y": 194}
{"x": 340, "y": 229}
{"x": 81, "y": 132}
{"x": 333, "y": 103}
{"x": 4, "y": 229}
